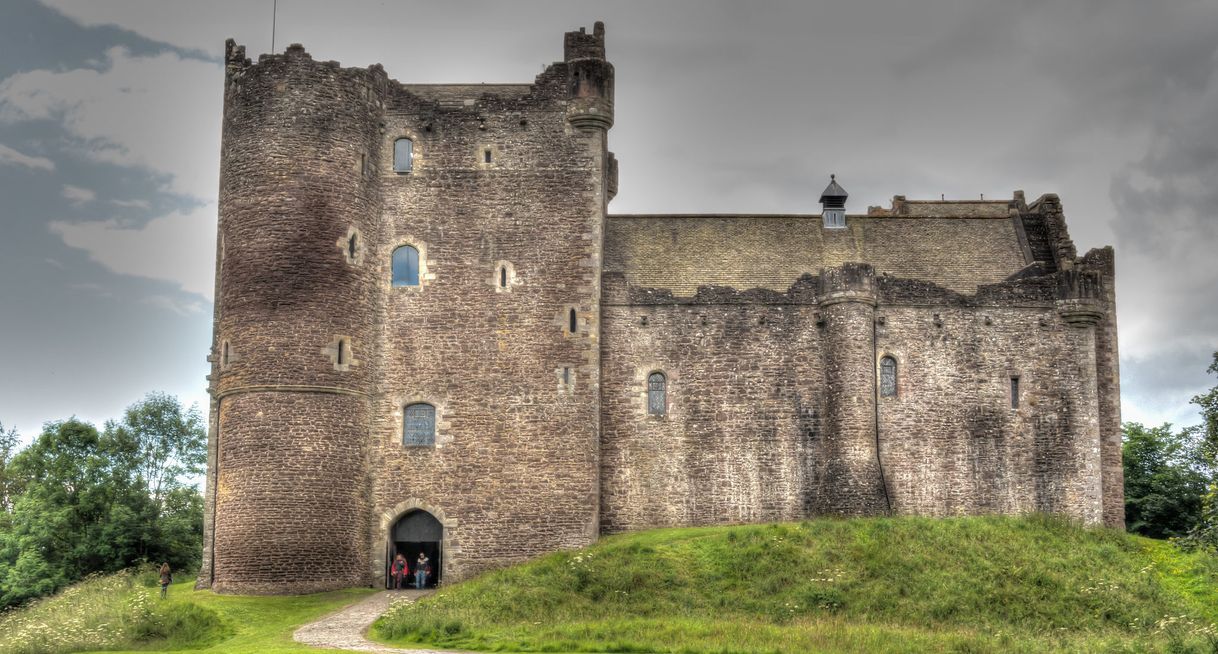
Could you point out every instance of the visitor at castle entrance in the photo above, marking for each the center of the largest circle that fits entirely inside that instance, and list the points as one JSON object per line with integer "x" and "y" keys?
{"x": 399, "y": 571}
{"x": 422, "y": 567}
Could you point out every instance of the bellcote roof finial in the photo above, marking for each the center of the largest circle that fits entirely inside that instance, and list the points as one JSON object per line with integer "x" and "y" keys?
{"x": 834, "y": 195}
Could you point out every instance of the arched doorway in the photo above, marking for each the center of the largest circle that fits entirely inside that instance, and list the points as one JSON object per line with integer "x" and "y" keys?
{"x": 416, "y": 531}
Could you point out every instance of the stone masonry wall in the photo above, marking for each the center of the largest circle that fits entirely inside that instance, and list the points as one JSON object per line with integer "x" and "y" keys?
{"x": 752, "y": 431}
{"x": 514, "y": 468}
{"x": 292, "y": 430}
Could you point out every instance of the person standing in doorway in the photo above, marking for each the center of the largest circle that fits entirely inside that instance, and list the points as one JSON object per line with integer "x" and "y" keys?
{"x": 399, "y": 571}
{"x": 422, "y": 567}
{"x": 166, "y": 579}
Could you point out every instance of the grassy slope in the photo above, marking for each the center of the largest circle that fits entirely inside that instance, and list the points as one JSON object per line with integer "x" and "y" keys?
{"x": 887, "y": 584}
{"x": 118, "y": 612}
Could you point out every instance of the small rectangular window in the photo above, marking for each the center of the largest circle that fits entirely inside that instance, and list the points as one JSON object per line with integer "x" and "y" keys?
{"x": 486, "y": 156}
{"x": 403, "y": 155}
{"x": 1014, "y": 392}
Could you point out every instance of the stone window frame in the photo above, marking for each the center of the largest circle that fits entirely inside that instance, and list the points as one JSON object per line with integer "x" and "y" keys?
{"x": 332, "y": 349}
{"x": 425, "y": 275}
{"x": 393, "y": 154}
{"x": 564, "y": 321}
{"x": 443, "y": 433}
{"x": 480, "y": 156}
{"x": 225, "y": 354}
{"x": 416, "y": 154}
{"x": 405, "y": 409}
{"x": 1015, "y": 390}
{"x": 566, "y": 375}
{"x": 512, "y": 280}
{"x": 344, "y": 245}
{"x": 896, "y": 375}
{"x": 647, "y": 393}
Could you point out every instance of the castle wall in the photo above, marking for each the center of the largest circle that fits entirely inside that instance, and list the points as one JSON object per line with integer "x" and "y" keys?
{"x": 774, "y": 404}
{"x": 681, "y": 253}
{"x": 951, "y": 442}
{"x": 514, "y": 467}
{"x": 746, "y": 397}
{"x": 288, "y": 448}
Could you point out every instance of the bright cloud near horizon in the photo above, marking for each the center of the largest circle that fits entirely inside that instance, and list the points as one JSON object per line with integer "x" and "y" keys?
{"x": 110, "y": 143}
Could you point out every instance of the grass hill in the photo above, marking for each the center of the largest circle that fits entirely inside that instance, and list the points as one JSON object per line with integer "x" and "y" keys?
{"x": 123, "y": 612}
{"x": 871, "y": 585}
{"x": 988, "y": 584}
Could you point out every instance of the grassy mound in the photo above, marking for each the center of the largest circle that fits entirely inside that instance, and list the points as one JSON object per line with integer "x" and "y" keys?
{"x": 887, "y": 584}
{"x": 124, "y": 612}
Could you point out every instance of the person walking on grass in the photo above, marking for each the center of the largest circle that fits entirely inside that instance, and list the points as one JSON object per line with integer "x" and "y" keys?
{"x": 422, "y": 567}
{"x": 166, "y": 579}
{"x": 399, "y": 571}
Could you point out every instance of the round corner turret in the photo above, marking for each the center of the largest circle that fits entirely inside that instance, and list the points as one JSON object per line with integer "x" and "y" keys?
{"x": 589, "y": 79}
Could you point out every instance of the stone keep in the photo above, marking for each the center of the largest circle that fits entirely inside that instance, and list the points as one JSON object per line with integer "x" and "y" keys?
{"x": 931, "y": 358}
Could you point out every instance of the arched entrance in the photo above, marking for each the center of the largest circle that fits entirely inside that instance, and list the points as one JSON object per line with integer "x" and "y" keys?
{"x": 416, "y": 531}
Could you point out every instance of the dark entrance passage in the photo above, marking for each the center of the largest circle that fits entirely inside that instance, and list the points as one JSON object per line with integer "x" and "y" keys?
{"x": 417, "y": 531}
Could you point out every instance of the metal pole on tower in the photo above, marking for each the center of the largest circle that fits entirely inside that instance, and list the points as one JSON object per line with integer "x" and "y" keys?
{"x": 274, "y": 12}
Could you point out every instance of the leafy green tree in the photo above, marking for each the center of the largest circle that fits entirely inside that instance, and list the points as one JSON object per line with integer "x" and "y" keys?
{"x": 78, "y": 512}
{"x": 8, "y": 447}
{"x": 162, "y": 443}
{"x": 1205, "y": 533}
{"x": 1166, "y": 475}
{"x": 84, "y": 501}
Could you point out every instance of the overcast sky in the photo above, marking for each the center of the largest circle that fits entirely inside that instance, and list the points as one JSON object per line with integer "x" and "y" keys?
{"x": 110, "y": 147}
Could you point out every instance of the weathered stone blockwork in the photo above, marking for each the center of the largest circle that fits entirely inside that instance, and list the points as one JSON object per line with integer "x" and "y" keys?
{"x": 769, "y": 331}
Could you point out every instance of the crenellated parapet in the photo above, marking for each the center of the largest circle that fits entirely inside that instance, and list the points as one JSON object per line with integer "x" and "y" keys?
{"x": 590, "y": 79}
{"x": 1081, "y": 296}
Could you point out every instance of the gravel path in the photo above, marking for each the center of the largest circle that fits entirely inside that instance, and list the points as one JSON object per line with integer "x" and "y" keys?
{"x": 345, "y": 629}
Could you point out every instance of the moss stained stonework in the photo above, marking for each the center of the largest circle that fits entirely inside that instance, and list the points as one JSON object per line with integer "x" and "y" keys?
{"x": 769, "y": 331}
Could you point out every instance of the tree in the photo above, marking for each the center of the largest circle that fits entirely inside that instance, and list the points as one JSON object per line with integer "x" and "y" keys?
{"x": 8, "y": 447}
{"x": 84, "y": 501}
{"x": 1205, "y": 533}
{"x": 1209, "y": 412}
{"x": 78, "y": 511}
{"x": 161, "y": 442}
{"x": 1166, "y": 475}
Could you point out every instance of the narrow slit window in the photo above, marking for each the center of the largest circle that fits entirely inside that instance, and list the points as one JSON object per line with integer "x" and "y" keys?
{"x": 1014, "y": 392}
{"x": 224, "y": 354}
{"x": 566, "y": 375}
{"x": 419, "y": 425}
{"x": 406, "y": 266}
{"x": 403, "y": 155}
{"x": 352, "y": 244}
{"x": 572, "y": 322}
{"x": 888, "y": 377}
{"x": 342, "y": 352}
{"x": 502, "y": 276}
{"x": 657, "y": 392}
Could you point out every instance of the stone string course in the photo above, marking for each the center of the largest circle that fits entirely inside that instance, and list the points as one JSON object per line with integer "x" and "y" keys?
{"x": 769, "y": 330}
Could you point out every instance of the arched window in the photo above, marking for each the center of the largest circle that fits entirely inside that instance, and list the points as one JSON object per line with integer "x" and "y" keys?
{"x": 888, "y": 377}
{"x": 657, "y": 400}
{"x": 419, "y": 425}
{"x": 502, "y": 276}
{"x": 403, "y": 154}
{"x": 406, "y": 266}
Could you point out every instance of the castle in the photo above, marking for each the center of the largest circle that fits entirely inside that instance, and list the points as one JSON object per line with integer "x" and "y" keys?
{"x": 430, "y": 335}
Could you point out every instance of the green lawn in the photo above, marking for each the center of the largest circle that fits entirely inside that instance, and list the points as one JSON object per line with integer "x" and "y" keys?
{"x": 870, "y": 585}
{"x": 119, "y": 613}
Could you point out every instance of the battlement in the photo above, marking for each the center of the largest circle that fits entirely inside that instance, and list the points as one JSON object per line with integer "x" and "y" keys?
{"x": 581, "y": 45}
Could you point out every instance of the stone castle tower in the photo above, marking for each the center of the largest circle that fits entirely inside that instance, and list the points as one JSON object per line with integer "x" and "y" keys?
{"x": 431, "y": 336}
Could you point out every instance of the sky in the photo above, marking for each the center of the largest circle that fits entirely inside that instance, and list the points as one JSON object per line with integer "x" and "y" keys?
{"x": 110, "y": 147}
